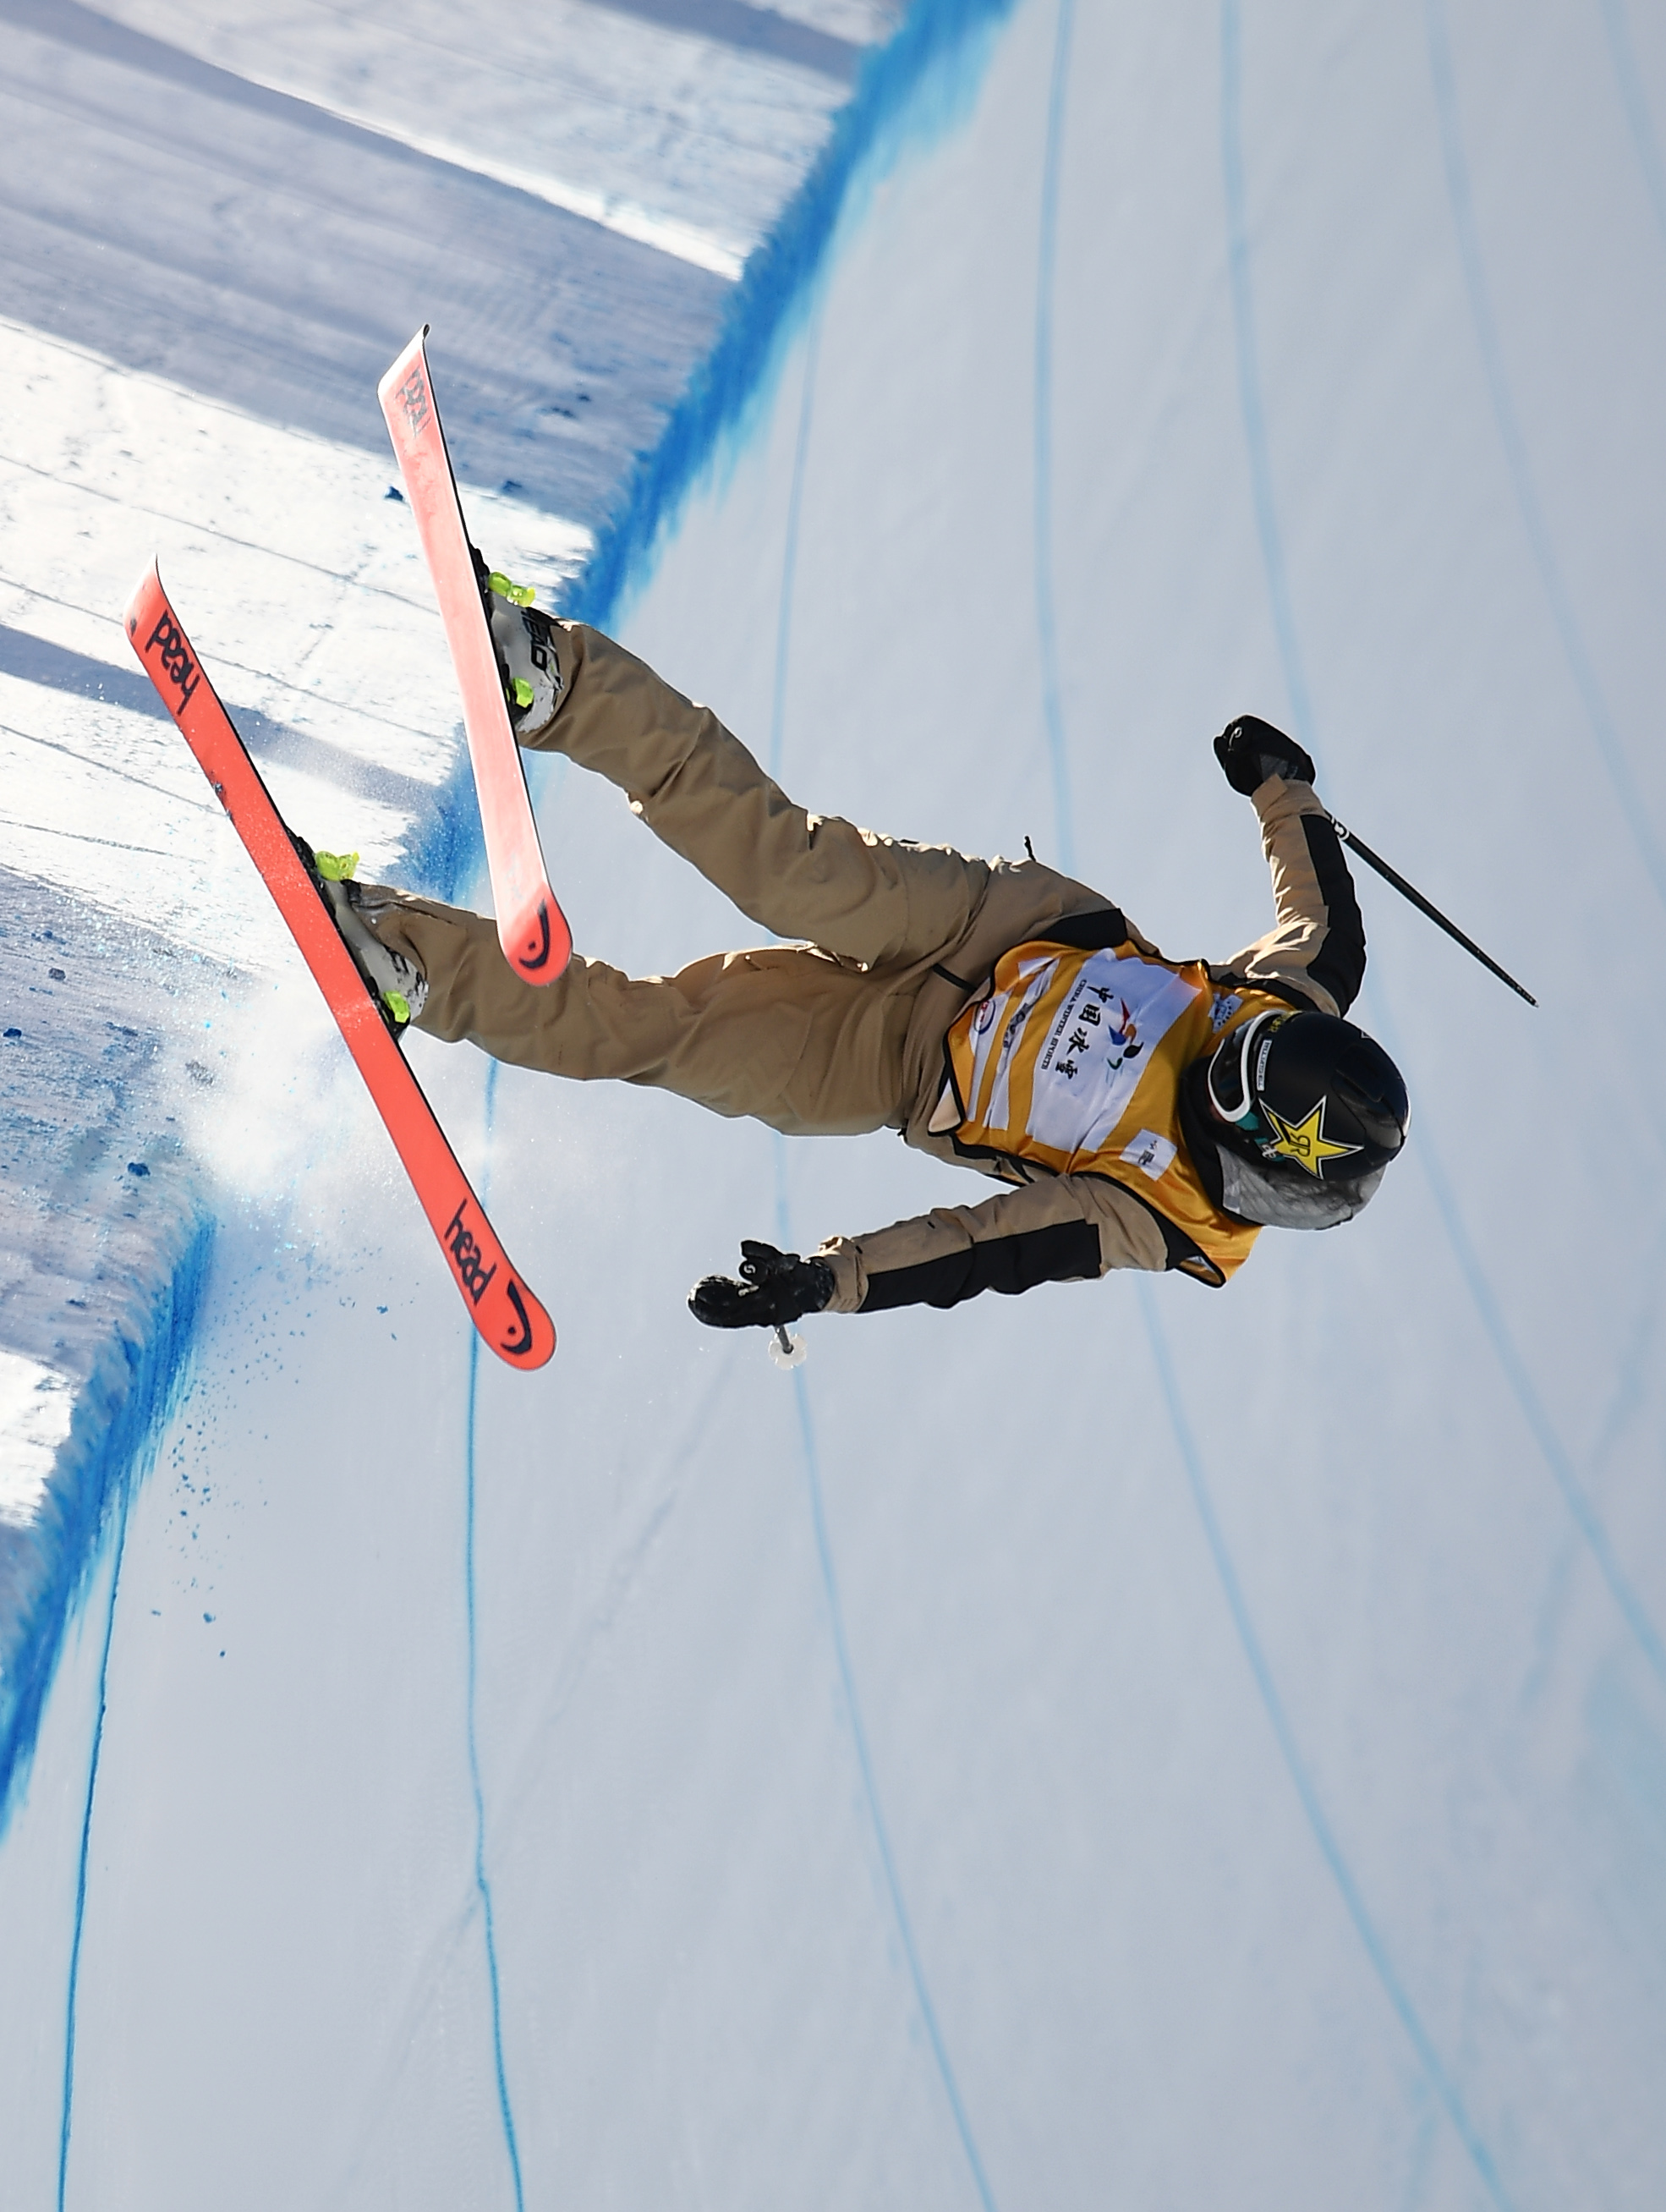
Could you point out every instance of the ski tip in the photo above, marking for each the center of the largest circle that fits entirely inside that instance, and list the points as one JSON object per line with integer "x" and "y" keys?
{"x": 146, "y": 592}
{"x": 397, "y": 373}
{"x": 403, "y": 389}
{"x": 164, "y": 651}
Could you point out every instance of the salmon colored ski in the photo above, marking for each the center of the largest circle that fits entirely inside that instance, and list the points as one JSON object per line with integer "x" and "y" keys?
{"x": 501, "y": 1307}
{"x": 532, "y": 927}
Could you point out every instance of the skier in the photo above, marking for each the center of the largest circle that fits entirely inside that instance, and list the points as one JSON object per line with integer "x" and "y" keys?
{"x": 1144, "y": 1112}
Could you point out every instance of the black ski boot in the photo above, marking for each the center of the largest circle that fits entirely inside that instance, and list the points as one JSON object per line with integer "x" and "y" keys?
{"x": 525, "y": 642}
{"x": 397, "y": 985}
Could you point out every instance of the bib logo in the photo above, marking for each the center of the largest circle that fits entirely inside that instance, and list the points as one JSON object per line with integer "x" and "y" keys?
{"x": 1152, "y": 1155}
{"x": 1105, "y": 1041}
{"x": 1305, "y": 1141}
{"x": 1095, "y": 1021}
{"x": 1123, "y": 1031}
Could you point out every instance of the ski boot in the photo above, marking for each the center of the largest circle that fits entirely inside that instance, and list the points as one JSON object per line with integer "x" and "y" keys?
{"x": 523, "y": 641}
{"x": 397, "y": 985}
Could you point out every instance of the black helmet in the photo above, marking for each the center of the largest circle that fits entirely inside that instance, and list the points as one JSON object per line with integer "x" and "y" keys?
{"x": 1310, "y": 1090}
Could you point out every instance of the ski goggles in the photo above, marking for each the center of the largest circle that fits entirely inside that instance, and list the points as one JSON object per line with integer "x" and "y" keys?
{"x": 1236, "y": 1069}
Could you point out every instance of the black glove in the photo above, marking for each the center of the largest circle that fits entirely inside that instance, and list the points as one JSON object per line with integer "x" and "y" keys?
{"x": 776, "y": 1287}
{"x": 1249, "y": 751}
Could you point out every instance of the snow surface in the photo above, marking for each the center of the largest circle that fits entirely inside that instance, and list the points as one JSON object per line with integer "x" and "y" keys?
{"x": 1125, "y": 1746}
{"x": 661, "y": 134}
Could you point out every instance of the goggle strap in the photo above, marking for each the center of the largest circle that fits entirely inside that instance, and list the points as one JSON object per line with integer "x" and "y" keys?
{"x": 1244, "y": 1039}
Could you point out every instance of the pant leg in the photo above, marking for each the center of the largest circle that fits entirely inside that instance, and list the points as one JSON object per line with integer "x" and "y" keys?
{"x": 784, "y": 1034}
{"x": 867, "y": 898}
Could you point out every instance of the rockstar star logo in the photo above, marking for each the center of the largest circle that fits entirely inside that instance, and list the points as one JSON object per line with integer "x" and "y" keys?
{"x": 1305, "y": 1142}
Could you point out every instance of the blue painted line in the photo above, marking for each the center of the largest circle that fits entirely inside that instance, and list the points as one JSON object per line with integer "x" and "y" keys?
{"x": 1580, "y": 665}
{"x": 1638, "y": 121}
{"x": 66, "y": 2112}
{"x": 871, "y": 1792}
{"x": 482, "y": 1883}
{"x": 777, "y": 712}
{"x": 905, "y": 89}
{"x": 1637, "y": 1361}
{"x": 1249, "y": 370}
{"x": 859, "y": 1737}
{"x": 776, "y": 284}
{"x": 1518, "y": 1375}
{"x": 1307, "y": 1790}
{"x": 119, "y": 1415}
{"x": 157, "y": 1374}
{"x": 806, "y": 1424}
{"x": 1540, "y": 1426}
{"x": 1052, "y": 707}
{"x": 1486, "y": 1305}
{"x": 1552, "y": 1450}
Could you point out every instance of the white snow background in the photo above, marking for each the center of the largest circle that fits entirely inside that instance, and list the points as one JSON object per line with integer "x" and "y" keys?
{"x": 1130, "y": 1745}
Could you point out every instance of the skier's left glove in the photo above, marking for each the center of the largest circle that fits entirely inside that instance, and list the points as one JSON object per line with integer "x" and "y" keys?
{"x": 775, "y": 1288}
{"x": 1249, "y": 751}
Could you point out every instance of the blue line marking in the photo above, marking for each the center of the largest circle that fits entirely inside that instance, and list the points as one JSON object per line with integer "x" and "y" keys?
{"x": 1638, "y": 121}
{"x": 870, "y": 1791}
{"x": 1551, "y": 1449}
{"x": 905, "y": 90}
{"x": 1517, "y": 1374}
{"x": 67, "y": 2109}
{"x": 1306, "y": 1789}
{"x": 777, "y": 712}
{"x": 859, "y": 1735}
{"x": 806, "y": 1424}
{"x": 120, "y": 1412}
{"x": 1514, "y": 1367}
{"x": 938, "y": 48}
{"x": 1249, "y": 369}
{"x": 157, "y": 1377}
{"x": 1052, "y": 707}
{"x": 505, "y": 2110}
{"x": 773, "y": 290}
{"x": 1574, "y": 651}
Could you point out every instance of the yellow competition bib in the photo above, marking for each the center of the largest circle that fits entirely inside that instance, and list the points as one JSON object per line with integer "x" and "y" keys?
{"x": 1073, "y": 1063}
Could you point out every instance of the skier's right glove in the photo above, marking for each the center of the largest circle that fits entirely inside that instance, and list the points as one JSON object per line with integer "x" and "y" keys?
{"x": 776, "y": 1287}
{"x": 1249, "y": 751}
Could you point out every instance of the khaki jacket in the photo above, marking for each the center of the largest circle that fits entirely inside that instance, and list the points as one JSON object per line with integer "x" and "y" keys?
{"x": 1315, "y": 953}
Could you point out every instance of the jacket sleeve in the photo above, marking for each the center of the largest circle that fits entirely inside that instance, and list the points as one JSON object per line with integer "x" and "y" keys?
{"x": 1057, "y": 1229}
{"x": 1318, "y": 944}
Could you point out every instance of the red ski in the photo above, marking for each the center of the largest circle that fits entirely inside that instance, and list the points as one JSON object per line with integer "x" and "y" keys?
{"x": 532, "y": 927}
{"x": 501, "y": 1307}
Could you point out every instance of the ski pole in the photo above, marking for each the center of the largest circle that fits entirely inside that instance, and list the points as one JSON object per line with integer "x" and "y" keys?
{"x": 1392, "y": 876}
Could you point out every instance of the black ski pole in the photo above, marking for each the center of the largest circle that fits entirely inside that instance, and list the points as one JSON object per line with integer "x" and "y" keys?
{"x": 1392, "y": 876}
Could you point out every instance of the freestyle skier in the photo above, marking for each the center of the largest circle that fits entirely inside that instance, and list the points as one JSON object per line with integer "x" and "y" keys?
{"x": 1141, "y": 1112}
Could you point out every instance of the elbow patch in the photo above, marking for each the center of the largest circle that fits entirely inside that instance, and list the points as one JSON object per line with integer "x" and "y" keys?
{"x": 1064, "y": 1251}
{"x": 1341, "y": 965}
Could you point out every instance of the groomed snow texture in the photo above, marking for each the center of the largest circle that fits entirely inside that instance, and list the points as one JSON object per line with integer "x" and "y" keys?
{"x": 1127, "y": 1746}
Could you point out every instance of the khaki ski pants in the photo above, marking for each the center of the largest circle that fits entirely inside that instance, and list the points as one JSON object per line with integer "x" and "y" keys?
{"x": 807, "y": 1037}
